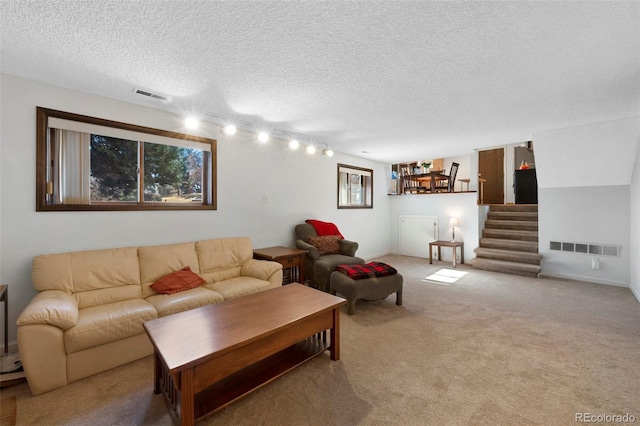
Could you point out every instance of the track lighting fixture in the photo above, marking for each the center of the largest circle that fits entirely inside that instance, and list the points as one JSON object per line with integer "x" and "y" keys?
{"x": 229, "y": 129}
{"x": 191, "y": 123}
{"x": 263, "y": 137}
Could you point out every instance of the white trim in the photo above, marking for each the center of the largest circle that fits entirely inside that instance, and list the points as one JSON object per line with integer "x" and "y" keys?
{"x": 586, "y": 279}
{"x": 342, "y": 169}
{"x": 79, "y": 126}
{"x": 635, "y": 292}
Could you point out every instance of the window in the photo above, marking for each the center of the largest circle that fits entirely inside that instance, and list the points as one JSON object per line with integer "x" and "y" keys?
{"x": 355, "y": 187}
{"x": 86, "y": 163}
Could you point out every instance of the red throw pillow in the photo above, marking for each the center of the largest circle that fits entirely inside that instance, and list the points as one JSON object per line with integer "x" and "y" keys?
{"x": 177, "y": 281}
{"x": 326, "y": 244}
{"x": 324, "y": 228}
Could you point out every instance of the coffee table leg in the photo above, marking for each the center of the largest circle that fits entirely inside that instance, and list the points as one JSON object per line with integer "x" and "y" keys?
{"x": 157, "y": 372}
{"x": 187, "y": 404}
{"x": 334, "y": 350}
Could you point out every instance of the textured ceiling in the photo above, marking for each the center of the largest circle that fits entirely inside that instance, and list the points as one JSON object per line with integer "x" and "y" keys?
{"x": 399, "y": 80}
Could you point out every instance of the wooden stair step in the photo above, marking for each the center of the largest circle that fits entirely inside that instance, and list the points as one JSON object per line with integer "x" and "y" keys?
{"x": 522, "y": 269}
{"x": 533, "y": 216}
{"x": 508, "y": 255}
{"x": 508, "y": 234}
{"x": 513, "y": 208}
{"x": 517, "y": 225}
{"x": 517, "y": 245}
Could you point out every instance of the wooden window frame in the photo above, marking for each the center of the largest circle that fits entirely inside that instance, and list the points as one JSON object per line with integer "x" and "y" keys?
{"x": 209, "y": 168}
{"x": 368, "y": 191}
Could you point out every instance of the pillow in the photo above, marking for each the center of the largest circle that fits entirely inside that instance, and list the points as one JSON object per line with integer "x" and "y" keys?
{"x": 178, "y": 281}
{"x": 324, "y": 228}
{"x": 326, "y": 244}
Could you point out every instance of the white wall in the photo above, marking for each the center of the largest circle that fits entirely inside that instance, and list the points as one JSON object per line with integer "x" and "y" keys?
{"x": 635, "y": 228}
{"x": 584, "y": 177}
{"x": 585, "y": 215}
{"x": 297, "y": 187}
{"x": 461, "y": 205}
{"x": 464, "y": 169}
{"x": 592, "y": 155}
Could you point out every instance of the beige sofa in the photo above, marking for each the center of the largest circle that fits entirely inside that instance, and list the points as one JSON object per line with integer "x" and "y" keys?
{"x": 88, "y": 314}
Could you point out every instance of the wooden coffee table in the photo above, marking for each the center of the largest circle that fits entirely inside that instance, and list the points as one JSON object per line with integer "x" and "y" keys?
{"x": 206, "y": 358}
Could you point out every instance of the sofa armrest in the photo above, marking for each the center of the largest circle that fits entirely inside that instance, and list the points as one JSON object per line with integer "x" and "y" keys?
{"x": 348, "y": 248}
{"x": 43, "y": 356}
{"x": 52, "y": 307}
{"x": 311, "y": 250}
{"x": 262, "y": 269}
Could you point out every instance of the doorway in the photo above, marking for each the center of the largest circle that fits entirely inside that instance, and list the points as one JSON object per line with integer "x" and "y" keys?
{"x": 491, "y": 169}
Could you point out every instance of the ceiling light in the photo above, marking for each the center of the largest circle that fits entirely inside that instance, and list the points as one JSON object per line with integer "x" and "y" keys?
{"x": 191, "y": 123}
{"x": 294, "y": 144}
{"x": 230, "y": 129}
{"x": 263, "y": 137}
{"x": 311, "y": 149}
{"x": 328, "y": 152}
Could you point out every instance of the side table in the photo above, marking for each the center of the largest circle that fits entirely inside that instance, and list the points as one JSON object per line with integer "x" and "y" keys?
{"x": 453, "y": 244}
{"x": 291, "y": 260}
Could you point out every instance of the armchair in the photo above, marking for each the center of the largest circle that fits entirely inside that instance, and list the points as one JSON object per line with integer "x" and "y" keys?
{"x": 318, "y": 266}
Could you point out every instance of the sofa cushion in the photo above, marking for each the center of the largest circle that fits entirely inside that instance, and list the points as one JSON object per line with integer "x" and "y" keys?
{"x": 108, "y": 323}
{"x": 326, "y": 244}
{"x": 158, "y": 261}
{"x": 87, "y": 271}
{"x": 86, "y": 299}
{"x": 240, "y": 286}
{"x": 223, "y": 255}
{"x": 177, "y": 281}
{"x": 167, "y": 304}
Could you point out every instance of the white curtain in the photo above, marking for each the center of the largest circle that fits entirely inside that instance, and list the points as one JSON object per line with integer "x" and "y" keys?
{"x": 74, "y": 160}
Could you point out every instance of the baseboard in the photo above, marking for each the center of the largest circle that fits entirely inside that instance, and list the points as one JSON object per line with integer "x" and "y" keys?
{"x": 585, "y": 279}
{"x": 635, "y": 292}
{"x": 375, "y": 256}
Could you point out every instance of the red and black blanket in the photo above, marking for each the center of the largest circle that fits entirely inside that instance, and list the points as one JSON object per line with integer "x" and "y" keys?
{"x": 369, "y": 270}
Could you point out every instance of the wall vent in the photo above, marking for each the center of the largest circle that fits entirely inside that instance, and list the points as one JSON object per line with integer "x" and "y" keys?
{"x": 585, "y": 248}
{"x": 149, "y": 94}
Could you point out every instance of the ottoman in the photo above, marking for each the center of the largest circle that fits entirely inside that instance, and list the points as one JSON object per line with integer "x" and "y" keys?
{"x": 371, "y": 281}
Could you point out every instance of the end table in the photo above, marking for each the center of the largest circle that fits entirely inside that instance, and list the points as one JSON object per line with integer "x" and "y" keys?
{"x": 291, "y": 260}
{"x": 452, "y": 244}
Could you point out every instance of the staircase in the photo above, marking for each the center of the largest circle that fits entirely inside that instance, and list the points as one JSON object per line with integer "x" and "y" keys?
{"x": 509, "y": 242}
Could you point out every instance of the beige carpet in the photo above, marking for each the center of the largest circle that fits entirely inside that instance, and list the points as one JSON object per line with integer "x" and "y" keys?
{"x": 489, "y": 349}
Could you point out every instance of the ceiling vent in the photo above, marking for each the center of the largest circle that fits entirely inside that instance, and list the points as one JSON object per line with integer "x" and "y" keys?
{"x": 149, "y": 94}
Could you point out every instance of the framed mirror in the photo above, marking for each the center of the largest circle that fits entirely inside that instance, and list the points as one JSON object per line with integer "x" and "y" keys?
{"x": 355, "y": 187}
{"x": 88, "y": 163}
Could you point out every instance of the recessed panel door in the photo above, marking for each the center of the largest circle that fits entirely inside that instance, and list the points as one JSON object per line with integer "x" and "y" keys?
{"x": 491, "y": 169}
